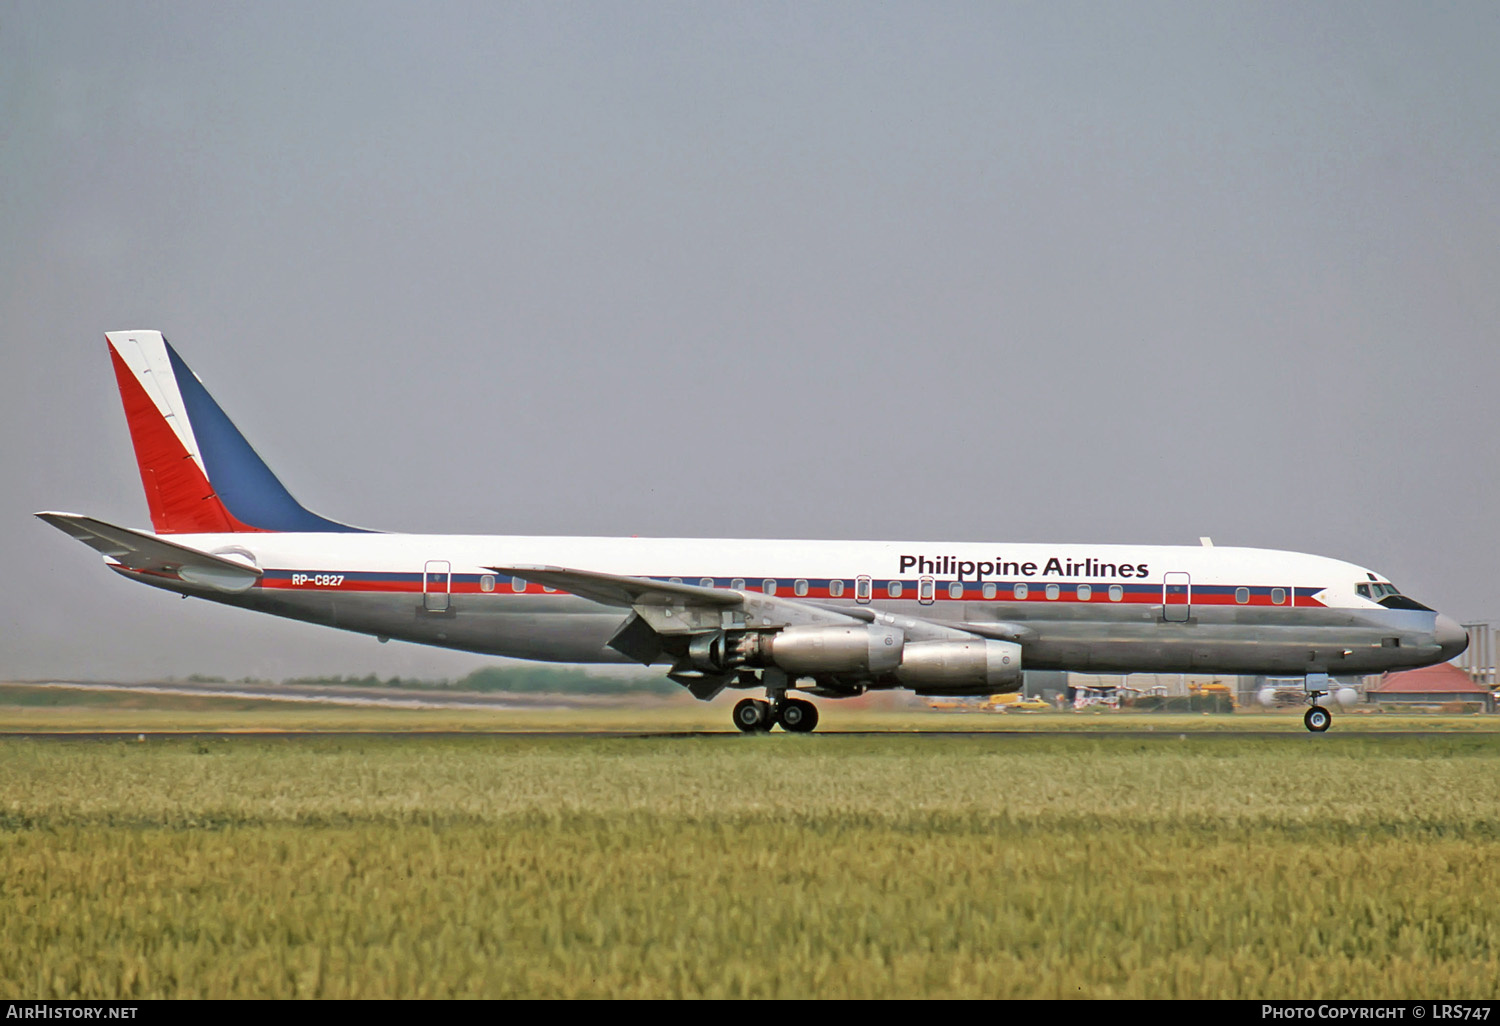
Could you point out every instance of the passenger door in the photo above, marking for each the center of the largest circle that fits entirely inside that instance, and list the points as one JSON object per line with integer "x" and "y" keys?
{"x": 1176, "y": 597}
{"x": 437, "y": 577}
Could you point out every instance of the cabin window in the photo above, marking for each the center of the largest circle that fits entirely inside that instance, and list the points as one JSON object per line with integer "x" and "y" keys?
{"x": 956, "y": 590}
{"x": 1116, "y": 592}
{"x": 675, "y": 580}
{"x": 799, "y": 588}
{"x": 1053, "y": 591}
{"x": 1022, "y": 590}
{"x": 548, "y": 590}
{"x": 517, "y": 585}
{"x": 1085, "y": 592}
{"x": 1242, "y": 595}
{"x": 893, "y": 589}
{"x": 988, "y": 591}
{"x": 1278, "y": 596}
{"x": 768, "y": 586}
{"x": 836, "y": 589}
{"x": 706, "y": 582}
{"x": 862, "y": 589}
{"x": 738, "y": 584}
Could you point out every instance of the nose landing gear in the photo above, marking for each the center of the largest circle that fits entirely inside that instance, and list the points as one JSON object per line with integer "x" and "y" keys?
{"x": 1317, "y": 719}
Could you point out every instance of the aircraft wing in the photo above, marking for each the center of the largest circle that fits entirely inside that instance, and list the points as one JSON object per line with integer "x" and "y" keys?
{"x": 672, "y": 608}
{"x": 686, "y": 622}
{"x": 149, "y": 553}
{"x": 665, "y": 615}
{"x": 617, "y": 590}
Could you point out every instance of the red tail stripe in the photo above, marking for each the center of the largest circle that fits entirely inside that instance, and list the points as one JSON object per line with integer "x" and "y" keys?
{"x": 178, "y": 494}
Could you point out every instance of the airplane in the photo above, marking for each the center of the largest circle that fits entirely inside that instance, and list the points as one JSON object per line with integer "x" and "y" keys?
{"x": 829, "y": 619}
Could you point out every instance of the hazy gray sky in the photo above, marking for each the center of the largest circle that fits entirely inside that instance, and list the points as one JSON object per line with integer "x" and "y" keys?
{"x": 992, "y": 272}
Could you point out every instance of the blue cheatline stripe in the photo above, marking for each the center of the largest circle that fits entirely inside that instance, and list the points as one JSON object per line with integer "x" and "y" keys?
{"x": 240, "y": 478}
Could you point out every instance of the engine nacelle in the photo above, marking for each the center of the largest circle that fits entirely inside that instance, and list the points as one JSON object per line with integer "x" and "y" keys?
{"x": 857, "y": 649}
{"x": 961, "y": 667}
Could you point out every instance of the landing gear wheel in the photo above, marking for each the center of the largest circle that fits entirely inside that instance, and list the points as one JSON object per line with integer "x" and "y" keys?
{"x": 797, "y": 716}
{"x": 752, "y": 715}
{"x": 1317, "y": 719}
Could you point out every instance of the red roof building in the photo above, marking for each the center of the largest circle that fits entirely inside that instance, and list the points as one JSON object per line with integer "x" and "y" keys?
{"x": 1431, "y": 685}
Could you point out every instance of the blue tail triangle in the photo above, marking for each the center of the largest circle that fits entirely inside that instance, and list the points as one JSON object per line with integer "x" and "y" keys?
{"x": 241, "y": 479}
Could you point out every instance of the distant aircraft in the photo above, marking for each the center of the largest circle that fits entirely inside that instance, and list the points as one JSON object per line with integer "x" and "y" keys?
{"x": 825, "y": 618}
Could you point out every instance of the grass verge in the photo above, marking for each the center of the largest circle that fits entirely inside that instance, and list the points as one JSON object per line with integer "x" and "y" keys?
{"x": 783, "y": 866}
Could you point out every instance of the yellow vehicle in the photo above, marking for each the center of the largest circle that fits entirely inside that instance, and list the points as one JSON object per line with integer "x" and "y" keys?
{"x": 1215, "y": 687}
{"x": 1014, "y": 701}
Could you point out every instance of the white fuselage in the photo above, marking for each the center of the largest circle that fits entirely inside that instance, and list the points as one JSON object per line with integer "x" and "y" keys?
{"x": 1111, "y": 608}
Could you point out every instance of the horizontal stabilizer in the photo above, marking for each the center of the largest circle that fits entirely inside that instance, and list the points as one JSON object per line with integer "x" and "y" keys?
{"x": 147, "y": 553}
{"x": 617, "y": 590}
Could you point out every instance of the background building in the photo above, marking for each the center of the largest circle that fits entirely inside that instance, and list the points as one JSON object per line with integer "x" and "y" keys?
{"x": 1443, "y": 684}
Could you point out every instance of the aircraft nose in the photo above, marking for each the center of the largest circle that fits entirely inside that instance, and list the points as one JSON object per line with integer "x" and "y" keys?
{"x": 1451, "y": 638}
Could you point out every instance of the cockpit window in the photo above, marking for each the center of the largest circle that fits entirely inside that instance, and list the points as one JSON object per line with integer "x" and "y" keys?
{"x": 1388, "y": 595}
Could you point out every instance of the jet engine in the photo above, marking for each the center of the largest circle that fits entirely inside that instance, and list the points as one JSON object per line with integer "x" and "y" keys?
{"x": 862, "y": 650}
{"x": 865, "y": 651}
{"x": 978, "y": 667}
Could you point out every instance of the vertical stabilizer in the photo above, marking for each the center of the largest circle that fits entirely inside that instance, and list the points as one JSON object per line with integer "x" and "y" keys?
{"x": 199, "y": 473}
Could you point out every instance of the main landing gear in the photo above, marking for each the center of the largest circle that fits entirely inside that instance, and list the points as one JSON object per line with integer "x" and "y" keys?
{"x": 752, "y": 715}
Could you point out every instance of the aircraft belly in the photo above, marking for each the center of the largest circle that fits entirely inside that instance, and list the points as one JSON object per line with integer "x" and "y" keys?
{"x": 551, "y": 628}
{"x": 1210, "y": 648}
{"x": 554, "y": 628}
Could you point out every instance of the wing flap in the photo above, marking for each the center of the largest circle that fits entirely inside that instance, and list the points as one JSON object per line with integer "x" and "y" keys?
{"x": 147, "y": 553}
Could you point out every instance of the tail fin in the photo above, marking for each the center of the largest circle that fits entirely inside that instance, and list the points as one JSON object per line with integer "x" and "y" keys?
{"x": 200, "y": 475}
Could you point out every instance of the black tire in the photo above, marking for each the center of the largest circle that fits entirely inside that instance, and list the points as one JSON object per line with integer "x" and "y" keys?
{"x": 752, "y": 715}
{"x": 798, "y": 716}
{"x": 1317, "y": 719}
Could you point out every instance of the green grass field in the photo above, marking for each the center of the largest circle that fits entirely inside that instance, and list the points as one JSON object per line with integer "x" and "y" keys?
{"x": 1053, "y": 864}
{"x": 24, "y": 709}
